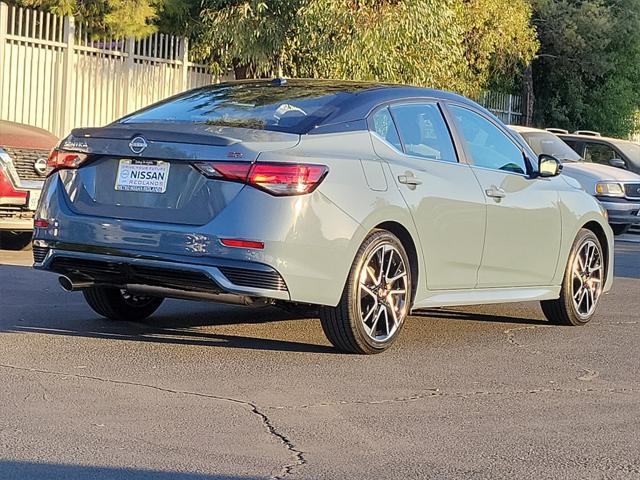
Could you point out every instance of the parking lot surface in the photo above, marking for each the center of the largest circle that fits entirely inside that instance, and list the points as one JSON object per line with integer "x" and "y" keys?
{"x": 203, "y": 391}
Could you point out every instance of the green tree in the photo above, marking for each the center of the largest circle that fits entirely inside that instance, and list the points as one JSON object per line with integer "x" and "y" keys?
{"x": 460, "y": 45}
{"x": 120, "y": 18}
{"x": 587, "y": 73}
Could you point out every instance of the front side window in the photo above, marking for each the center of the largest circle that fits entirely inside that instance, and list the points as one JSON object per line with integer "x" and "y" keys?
{"x": 424, "y": 132}
{"x": 599, "y": 153}
{"x": 383, "y": 125}
{"x": 487, "y": 145}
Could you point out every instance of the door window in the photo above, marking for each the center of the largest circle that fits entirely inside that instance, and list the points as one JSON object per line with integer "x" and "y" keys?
{"x": 383, "y": 125}
{"x": 599, "y": 153}
{"x": 487, "y": 145}
{"x": 424, "y": 132}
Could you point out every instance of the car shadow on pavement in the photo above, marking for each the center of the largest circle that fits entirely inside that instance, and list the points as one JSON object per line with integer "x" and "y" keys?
{"x": 18, "y": 470}
{"x": 179, "y": 329}
{"x": 451, "y": 314}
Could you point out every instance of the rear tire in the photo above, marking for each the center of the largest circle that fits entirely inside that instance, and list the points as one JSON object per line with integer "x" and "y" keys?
{"x": 117, "y": 304}
{"x": 620, "y": 229}
{"x": 582, "y": 285}
{"x": 376, "y": 298}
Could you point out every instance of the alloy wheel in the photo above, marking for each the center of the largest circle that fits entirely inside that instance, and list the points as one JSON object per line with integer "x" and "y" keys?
{"x": 382, "y": 292}
{"x": 586, "y": 278}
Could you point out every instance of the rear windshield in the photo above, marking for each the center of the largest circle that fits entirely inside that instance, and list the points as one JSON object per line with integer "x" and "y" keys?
{"x": 294, "y": 108}
{"x": 548, "y": 143}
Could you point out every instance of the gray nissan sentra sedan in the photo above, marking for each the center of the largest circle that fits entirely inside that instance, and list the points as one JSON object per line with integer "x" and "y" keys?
{"x": 367, "y": 200}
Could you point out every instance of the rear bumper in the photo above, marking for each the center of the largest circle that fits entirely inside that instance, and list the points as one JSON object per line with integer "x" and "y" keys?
{"x": 308, "y": 240}
{"x": 132, "y": 269}
{"x": 622, "y": 212}
{"x": 16, "y": 220}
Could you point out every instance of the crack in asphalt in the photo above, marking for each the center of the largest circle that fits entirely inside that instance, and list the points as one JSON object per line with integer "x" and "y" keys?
{"x": 287, "y": 469}
{"x": 432, "y": 393}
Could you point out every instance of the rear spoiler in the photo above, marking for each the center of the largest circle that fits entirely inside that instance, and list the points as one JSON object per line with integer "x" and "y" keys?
{"x": 170, "y": 132}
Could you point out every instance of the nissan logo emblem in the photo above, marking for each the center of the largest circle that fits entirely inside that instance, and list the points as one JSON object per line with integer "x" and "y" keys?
{"x": 40, "y": 166}
{"x": 138, "y": 144}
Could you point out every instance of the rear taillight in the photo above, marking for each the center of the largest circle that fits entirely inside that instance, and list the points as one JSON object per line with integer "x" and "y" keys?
{"x": 8, "y": 194}
{"x": 280, "y": 179}
{"x": 63, "y": 159}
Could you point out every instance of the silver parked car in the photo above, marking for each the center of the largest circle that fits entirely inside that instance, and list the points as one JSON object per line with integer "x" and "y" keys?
{"x": 618, "y": 190}
{"x": 367, "y": 200}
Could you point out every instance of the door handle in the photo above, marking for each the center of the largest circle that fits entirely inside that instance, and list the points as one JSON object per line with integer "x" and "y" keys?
{"x": 409, "y": 180}
{"x": 495, "y": 192}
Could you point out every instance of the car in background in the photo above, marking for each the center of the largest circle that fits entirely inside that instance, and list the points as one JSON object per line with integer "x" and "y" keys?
{"x": 603, "y": 150}
{"x": 367, "y": 200}
{"x": 23, "y": 167}
{"x": 617, "y": 190}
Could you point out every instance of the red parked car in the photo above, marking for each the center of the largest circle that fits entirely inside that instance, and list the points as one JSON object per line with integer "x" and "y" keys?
{"x": 23, "y": 168}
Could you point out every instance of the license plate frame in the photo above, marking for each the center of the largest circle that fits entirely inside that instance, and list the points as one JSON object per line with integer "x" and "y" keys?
{"x": 142, "y": 175}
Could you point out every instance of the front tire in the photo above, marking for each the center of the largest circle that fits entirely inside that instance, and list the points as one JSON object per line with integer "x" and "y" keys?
{"x": 582, "y": 285}
{"x": 118, "y": 304}
{"x": 376, "y": 298}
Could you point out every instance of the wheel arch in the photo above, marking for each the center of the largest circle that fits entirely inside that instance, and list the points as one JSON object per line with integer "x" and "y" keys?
{"x": 409, "y": 245}
{"x": 599, "y": 232}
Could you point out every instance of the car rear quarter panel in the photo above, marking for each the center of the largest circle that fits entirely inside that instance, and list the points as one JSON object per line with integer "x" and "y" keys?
{"x": 365, "y": 201}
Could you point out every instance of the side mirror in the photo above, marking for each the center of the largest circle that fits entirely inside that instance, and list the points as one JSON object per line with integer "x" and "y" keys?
{"x": 548, "y": 166}
{"x": 618, "y": 163}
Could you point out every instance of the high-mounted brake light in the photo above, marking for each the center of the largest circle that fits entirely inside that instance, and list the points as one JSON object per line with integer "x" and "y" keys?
{"x": 63, "y": 159}
{"x": 8, "y": 194}
{"x": 280, "y": 179}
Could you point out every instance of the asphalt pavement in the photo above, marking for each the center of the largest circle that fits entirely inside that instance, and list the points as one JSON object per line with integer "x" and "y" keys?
{"x": 203, "y": 391}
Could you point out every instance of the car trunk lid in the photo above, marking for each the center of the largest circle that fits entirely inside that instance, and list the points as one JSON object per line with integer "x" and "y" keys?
{"x": 144, "y": 171}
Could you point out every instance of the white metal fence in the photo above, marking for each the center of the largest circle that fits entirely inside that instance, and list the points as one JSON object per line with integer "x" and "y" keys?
{"x": 505, "y": 106}
{"x": 54, "y": 76}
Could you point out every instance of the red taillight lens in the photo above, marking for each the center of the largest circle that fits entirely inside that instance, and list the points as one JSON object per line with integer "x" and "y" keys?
{"x": 62, "y": 159}
{"x": 238, "y": 243}
{"x": 286, "y": 178}
{"x": 236, "y": 171}
{"x": 40, "y": 223}
{"x": 275, "y": 178}
{"x": 8, "y": 194}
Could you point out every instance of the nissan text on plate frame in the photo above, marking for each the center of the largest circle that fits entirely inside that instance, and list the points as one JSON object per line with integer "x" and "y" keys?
{"x": 364, "y": 200}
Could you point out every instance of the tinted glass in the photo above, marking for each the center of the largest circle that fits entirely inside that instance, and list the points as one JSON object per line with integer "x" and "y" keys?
{"x": 575, "y": 146}
{"x": 599, "y": 153}
{"x": 631, "y": 150}
{"x": 548, "y": 143}
{"x": 383, "y": 126}
{"x": 293, "y": 108}
{"x": 488, "y": 146}
{"x": 424, "y": 132}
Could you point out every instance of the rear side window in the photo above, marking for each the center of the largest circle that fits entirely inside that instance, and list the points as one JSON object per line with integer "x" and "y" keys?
{"x": 424, "y": 132}
{"x": 488, "y": 146}
{"x": 384, "y": 127}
